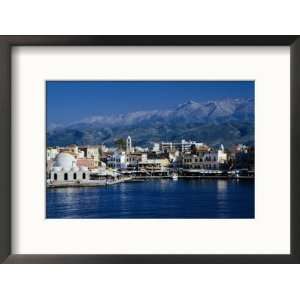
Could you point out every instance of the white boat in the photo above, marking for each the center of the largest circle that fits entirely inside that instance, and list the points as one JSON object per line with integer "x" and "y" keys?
{"x": 174, "y": 176}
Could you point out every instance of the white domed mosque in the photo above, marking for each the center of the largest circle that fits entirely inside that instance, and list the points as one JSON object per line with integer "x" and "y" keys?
{"x": 65, "y": 169}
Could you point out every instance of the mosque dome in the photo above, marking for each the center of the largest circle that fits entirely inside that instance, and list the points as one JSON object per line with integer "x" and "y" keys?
{"x": 64, "y": 160}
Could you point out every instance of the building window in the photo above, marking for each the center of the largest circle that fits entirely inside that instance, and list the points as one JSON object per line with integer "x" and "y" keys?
{"x": 66, "y": 176}
{"x": 74, "y": 176}
{"x": 55, "y": 176}
{"x": 83, "y": 175}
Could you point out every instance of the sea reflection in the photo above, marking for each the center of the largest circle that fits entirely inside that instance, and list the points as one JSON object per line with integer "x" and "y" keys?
{"x": 222, "y": 198}
{"x": 155, "y": 199}
{"x": 222, "y": 186}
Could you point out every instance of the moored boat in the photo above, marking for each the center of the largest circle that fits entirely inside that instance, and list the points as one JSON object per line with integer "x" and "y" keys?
{"x": 174, "y": 176}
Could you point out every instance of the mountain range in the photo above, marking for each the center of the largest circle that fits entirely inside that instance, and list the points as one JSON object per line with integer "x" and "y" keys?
{"x": 228, "y": 121}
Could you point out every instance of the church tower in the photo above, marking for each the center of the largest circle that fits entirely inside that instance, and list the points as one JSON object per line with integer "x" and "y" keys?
{"x": 128, "y": 145}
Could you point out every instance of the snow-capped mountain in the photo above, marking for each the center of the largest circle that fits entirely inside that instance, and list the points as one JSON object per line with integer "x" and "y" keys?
{"x": 192, "y": 119}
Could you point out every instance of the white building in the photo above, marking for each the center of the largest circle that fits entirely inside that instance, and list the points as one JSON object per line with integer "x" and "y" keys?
{"x": 214, "y": 159}
{"x": 51, "y": 153}
{"x": 91, "y": 152}
{"x": 117, "y": 161}
{"x": 156, "y": 147}
{"x": 187, "y": 145}
{"x": 65, "y": 170}
{"x": 183, "y": 146}
{"x": 166, "y": 146}
{"x": 211, "y": 160}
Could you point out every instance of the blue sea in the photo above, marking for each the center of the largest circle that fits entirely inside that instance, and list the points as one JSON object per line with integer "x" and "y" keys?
{"x": 155, "y": 199}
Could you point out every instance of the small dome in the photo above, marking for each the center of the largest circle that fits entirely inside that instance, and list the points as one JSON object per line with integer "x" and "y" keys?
{"x": 64, "y": 160}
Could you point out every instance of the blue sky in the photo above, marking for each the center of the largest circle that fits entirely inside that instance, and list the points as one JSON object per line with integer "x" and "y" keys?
{"x": 70, "y": 101}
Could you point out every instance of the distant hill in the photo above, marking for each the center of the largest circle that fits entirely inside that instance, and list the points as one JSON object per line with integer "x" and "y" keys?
{"x": 227, "y": 121}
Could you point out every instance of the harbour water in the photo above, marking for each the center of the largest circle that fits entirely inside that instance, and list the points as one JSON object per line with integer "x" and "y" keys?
{"x": 165, "y": 198}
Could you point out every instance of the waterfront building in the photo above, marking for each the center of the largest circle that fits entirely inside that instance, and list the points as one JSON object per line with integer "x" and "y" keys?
{"x": 117, "y": 161}
{"x": 215, "y": 160}
{"x": 244, "y": 159}
{"x": 90, "y": 163}
{"x": 51, "y": 153}
{"x": 122, "y": 160}
{"x": 138, "y": 160}
{"x": 133, "y": 159}
{"x": 192, "y": 161}
{"x": 91, "y": 152}
{"x": 155, "y": 164}
{"x": 102, "y": 172}
{"x": 65, "y": 169}
{"x": 211, "y": 160}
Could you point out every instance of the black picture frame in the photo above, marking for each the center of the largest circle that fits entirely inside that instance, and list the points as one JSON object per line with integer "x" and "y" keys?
{"x": 6, "y": 45}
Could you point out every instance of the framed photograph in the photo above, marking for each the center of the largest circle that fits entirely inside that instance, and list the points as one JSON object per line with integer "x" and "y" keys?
{"x": 149, "y": 149}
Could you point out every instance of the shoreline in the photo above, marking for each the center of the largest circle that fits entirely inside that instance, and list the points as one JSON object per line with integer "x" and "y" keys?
{"x": 143, "y": 179}
{"x": 193, "y": 177}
